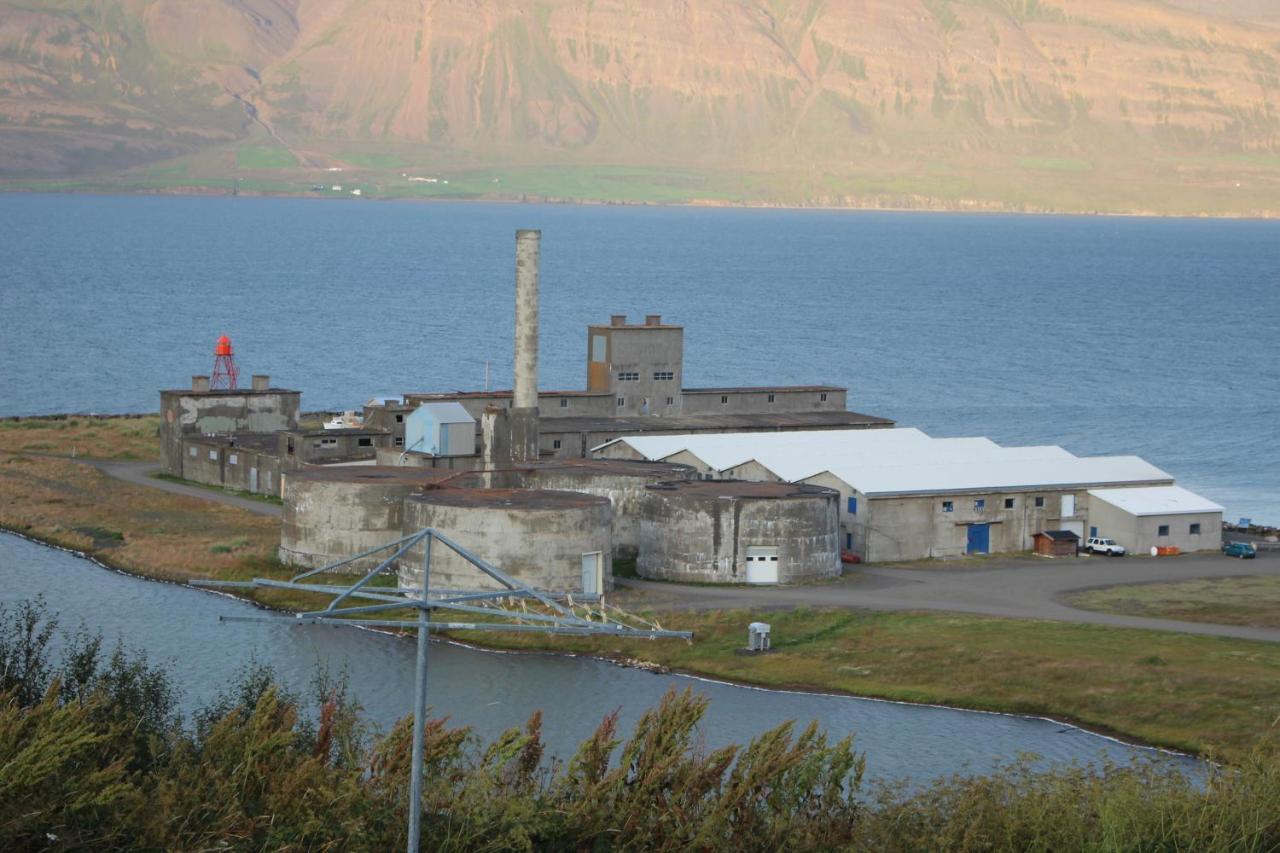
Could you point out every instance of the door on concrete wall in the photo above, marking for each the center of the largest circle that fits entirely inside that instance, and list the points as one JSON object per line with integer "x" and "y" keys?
{"x": 762, "y": 565}
{"x": 593, "y": 573}
{"x": 979, "y": 539}
{"x": 1076, "y": 527}
{"x": 253, "y": 479}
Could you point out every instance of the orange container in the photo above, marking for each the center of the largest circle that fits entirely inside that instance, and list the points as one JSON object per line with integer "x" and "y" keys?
{"x": 1167, "y": 551}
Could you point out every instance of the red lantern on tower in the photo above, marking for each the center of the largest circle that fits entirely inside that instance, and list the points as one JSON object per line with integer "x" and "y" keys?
{"x": 225, "y": 371}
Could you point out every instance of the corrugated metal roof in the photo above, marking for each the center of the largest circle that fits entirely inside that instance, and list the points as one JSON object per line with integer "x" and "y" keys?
{"x": 902, "y": 461}
{"x": 445, "y": 413}
{"x": 1156, "y": 500}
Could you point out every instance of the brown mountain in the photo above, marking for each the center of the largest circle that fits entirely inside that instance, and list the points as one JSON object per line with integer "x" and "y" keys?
{"x": 1066, "y": 104}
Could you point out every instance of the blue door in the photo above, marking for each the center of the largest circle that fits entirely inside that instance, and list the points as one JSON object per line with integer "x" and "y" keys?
{"x": 979, "y": 539}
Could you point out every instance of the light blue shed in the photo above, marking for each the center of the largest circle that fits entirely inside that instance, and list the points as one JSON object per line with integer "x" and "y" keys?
{"x": 440, "y": 429}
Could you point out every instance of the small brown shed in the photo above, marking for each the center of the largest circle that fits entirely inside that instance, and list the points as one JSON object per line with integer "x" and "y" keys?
{"x": 1057, "y": 543}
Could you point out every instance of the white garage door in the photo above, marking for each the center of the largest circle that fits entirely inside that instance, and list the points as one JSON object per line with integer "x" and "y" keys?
{"x": 762, "y": 565}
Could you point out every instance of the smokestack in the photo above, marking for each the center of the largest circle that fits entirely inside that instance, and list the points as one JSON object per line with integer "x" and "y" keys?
{"x": 200, "y": 384}
{"x": 524, "y": 409}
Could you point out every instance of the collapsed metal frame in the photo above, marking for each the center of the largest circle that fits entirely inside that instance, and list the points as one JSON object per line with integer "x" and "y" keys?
{"x": 559, "y": 619}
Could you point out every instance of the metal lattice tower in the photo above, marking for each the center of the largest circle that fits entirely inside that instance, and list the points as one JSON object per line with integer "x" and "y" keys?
{"x": 551, "y": 613}
{"x": 225, "y": 373}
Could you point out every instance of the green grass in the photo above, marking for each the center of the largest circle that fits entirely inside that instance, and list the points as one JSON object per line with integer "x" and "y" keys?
{"x": 1253, "y": 601}
{"x": 264, "y": 157}
{"x": 370, "y": 160}
{"x": 1055, "y": 164}
{"x": 1182, "y": 691}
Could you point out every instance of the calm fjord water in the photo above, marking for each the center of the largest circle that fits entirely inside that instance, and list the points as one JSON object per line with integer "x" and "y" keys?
{"x": 1145, "y": 336}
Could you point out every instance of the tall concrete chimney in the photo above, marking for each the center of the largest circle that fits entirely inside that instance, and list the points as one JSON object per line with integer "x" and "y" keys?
{"x": 524, "y": 408}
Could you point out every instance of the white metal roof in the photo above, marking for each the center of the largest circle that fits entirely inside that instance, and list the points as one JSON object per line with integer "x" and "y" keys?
{"x": 445, "y": 413}
{"x": 901, "y": 461}
{"x": 1156, "y": 500}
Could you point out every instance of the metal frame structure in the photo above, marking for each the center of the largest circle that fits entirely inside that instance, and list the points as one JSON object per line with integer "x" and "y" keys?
{"x": 558, "y": 616}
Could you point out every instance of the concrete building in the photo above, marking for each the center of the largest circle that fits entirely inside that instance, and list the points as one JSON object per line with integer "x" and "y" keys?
{"x": 739, "y": 532}
{"x": 297, "y": 447}
{"x": 1155, "y": 517}
{"x": 556, "y": 541}
{"x": 334, "y": 512}
{"x": 641, "y": 366}
{"x": 907, "y": 496}
{"x": 198, "y": 411}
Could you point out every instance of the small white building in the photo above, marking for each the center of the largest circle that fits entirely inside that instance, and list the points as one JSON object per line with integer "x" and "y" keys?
{"x": 1156, "y": 517}
{"x": 440, "y": 429}
{"x": 906, "y": 495}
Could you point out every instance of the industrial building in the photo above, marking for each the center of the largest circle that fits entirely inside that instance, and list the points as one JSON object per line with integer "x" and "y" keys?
{"x": 906, "y": 496}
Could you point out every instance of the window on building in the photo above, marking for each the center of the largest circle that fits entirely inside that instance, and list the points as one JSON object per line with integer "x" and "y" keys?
{"x": 289, "y": 447}
{"x": 628, "y": 376}
{"x": 770, "y": 398}
{"x": 366, "y": 442}
{"x": 598, "y": 347}
{"x": 671, "y": 401}
{"x": 233, "y": 459}
{"x": 564, "y": 404}
{"x": 853, "y": 506}
{"x": 724, "y": 401}
{"x": 947, "y": 506}
{"x": 1163, "y": 531}
{"x": 1008, "y": 503}
{"x": 213, "y": 455}
{"x": 399, "y": 441}
{"x": 663, "y": 375}
{"x": 1039, "y": 503}
{"x": 822, "y": 398}
{"x": 555, "y": 445}
{"x": 191, "y": 450}
{"x": 399, "y": 419}
{"x": 622, "y": 401}
{"x": 1195, "y": 530}
{"x": 848, "y": 541}
{"x": 979, "y": 505}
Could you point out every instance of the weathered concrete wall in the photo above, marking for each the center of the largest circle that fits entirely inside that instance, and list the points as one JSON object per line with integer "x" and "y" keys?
{"x": 731, "y": 401}
{"x": 1139, "y": 533}
{"x": 332, "y": 514}
{"x": 320, "y": 447}
{"x": 623, "y": 483}
{"x": 695, "y": 533}
{"x": 633, "y": 362}
{"x": 536, "y": 536}
{"x": 395, "y": 458}
{"x": 221, "y": 413}
{"x": 251, "y": 470}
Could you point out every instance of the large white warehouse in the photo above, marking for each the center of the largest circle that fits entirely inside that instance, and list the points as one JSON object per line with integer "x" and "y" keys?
{"x": 906, "y": 495}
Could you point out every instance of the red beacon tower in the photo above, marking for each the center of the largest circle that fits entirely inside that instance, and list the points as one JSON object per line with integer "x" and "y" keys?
{"x": 225, "y": 371}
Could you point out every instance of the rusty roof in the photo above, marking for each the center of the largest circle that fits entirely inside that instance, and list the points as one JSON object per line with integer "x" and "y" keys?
{"x": 371, "y": 475}
{"x": 742, "y": 489}
{"x": 529, "y": 499}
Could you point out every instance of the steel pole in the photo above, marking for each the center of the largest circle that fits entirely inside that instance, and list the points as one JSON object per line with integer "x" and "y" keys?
{"x": 419, "y": 708}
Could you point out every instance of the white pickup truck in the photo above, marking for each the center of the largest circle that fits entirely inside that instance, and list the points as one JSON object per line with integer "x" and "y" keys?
{"x": 1097, "y": 545}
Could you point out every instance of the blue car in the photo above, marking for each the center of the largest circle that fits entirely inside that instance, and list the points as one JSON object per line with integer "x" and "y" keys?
{"x": 1243, "y": 550}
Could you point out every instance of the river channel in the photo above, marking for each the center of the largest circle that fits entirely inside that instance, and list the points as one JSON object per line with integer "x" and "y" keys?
{"x": 494, "y": 691}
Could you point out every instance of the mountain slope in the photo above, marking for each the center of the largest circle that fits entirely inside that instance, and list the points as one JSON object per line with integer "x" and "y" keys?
{"x": 1004, "y": 103}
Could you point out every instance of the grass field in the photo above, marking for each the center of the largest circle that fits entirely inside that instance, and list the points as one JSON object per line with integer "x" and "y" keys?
{"x": 264, "y": 157}
{"x": 131, "y": 437}
{"x": 1251, "y": 601}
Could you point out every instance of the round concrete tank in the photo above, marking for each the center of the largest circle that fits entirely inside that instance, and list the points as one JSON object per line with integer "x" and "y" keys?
{"x": 717, "y": 531}
{"x": 337, "y": 512}
{"x": 556, "y": 541}
{"x": 622, "y": 481}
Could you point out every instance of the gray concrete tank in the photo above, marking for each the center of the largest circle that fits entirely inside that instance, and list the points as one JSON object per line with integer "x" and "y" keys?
{"x": 621, "y": 481}
{"x": 335, "y": 512}
{"x": 739, "y": 532}
{"x": 557, "y": 541}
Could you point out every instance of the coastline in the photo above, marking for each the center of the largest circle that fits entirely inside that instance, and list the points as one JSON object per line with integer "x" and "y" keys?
{"x": 973, "y": 206}
{"x": 625, "y": 662}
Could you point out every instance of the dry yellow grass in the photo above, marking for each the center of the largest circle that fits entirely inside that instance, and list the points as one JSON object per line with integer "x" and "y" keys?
{"x": 130, "y": 437}
{"x": 135, "y": 528}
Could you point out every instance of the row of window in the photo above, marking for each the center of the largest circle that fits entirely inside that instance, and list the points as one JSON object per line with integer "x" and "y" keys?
{"x": 632, "y": 376}
{"x": 724, "y": 398}
{"x": 628, "y": 376}
{"x": 622, "y": 401}
{"x": 1193, "y": 530}
{"x": 980, "y": 505}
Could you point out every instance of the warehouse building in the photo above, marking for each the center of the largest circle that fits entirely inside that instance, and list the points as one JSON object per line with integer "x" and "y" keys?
{"x": 1156, "y": 517}
{"x": 907, "y": 496}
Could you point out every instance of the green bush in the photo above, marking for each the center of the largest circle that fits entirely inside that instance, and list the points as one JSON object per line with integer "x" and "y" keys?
{"x": 93, "y": 755}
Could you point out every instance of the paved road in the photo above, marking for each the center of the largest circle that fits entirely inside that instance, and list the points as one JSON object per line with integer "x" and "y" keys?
{"x": 1030, "y": 588}
{"x": 142, "y": 474}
